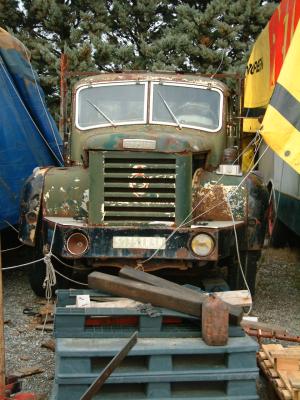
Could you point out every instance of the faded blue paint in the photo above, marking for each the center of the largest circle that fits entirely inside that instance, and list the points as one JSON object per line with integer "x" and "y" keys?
{"x": 28, "y": 134}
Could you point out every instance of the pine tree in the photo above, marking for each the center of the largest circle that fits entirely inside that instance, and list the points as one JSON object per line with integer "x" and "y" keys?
{"x": 53, "y": 27}
{"x": 204, "y": 36}
{"x": 135, "y": 30}
{"x": 214, "y": 37}
{"x": 11, "y": 17}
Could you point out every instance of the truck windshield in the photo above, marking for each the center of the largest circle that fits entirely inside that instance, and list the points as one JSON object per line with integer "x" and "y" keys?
{"x": 186, "y": 105}
{"x": 111, "y": 104}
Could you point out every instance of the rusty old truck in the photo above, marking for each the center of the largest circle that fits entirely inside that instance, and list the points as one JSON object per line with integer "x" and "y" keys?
{"x": 148, "y": 182}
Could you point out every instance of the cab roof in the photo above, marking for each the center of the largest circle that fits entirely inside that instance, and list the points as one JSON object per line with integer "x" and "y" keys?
{"x": 195, "y": 79}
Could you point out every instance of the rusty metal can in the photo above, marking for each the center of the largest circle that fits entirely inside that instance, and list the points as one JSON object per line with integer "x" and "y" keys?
{"x": 215, "y": 321}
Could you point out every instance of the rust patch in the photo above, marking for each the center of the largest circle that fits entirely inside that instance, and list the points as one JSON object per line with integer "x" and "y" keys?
{"x": 182, "y": 253}
{"x": 214, "y": 202}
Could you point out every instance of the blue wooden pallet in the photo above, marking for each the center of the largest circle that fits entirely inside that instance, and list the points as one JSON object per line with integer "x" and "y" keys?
{"x": 211, "y": 390}
{"x": 159, "y": 368}
{"x": 82, "y": 322}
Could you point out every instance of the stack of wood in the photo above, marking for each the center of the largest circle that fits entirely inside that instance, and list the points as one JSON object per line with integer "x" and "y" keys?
{"x": 212, "y": 309}
{"x": 281, "y": 366}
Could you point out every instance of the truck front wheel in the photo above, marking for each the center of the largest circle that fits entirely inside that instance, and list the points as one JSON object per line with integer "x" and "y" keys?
{"x": 37, "y": 274}
{"x": 249, "y": 261}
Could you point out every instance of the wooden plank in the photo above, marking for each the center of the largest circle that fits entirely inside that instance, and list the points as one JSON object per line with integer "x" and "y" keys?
{"x": 267, "y": 348}
{"x": 232, "y": 298}
{"x": 294, "y": 379}
{"x": 175, "y": 300}
{"x": 286, "y": 353}
{"x": 145, "y": 277}
{"x": 269, "y": 372}
{"x": 287, "y": 364}
{"x": 280, "y": 383}
{"x": 286, "y": 395}
{"x": 284, "y": 377}
{"x": 262, "y": 355}
{"x": 268, "y": 364}
{"x": 235, "y": 297}
{"x": 263, "y": 326}
{"x": 109, "y": 369}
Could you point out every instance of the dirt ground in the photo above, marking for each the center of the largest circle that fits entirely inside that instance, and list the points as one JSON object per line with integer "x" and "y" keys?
{"x": 277, "y": 301}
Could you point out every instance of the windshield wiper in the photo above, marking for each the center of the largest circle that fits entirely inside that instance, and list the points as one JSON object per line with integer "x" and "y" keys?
{"x": 102, "y": 113}
{"x": 170, "y": 111}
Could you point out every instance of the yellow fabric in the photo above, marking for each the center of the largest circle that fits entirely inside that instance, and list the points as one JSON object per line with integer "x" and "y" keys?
{"x": 278, "y": 133}
{"x": 251, "y": 125}
{"x": 257, "y": 80}
{"x": 248, "y": 155}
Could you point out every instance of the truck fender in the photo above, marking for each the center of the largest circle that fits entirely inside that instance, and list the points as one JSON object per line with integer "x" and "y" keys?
{"x": 30, "y": 206}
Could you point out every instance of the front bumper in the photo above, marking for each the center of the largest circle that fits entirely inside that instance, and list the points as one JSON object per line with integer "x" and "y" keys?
{"x": 102, "y": 244}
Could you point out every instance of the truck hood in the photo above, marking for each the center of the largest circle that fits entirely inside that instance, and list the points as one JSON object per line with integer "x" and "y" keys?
{"x": 160, "y": 142}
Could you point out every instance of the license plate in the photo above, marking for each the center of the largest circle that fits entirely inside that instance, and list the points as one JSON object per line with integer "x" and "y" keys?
{"x": 139, "y": 242}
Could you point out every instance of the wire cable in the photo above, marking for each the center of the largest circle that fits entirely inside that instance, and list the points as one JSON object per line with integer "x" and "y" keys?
{"x": 12, "y": 248}
{"x": 186, "y": 221}
{"x": 9, "y": 224}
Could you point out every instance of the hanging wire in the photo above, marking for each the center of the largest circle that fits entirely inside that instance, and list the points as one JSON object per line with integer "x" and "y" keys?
{"x": 12, "y": 248}
{"x": 69, "y": 279}
{"x": 219, "y": 66}
{"x": 236, "y": 239}
{"x": 50, "y": 277}
{"x": 9, "y": 224}
{"x": 23, "y": 265}
{"x": 186, "y": 221}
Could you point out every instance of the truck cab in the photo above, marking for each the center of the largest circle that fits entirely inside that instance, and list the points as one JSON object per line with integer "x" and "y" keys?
{"x": 148, "y": 182}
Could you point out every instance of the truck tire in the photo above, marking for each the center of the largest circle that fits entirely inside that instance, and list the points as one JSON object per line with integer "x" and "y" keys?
{"x": 249, "y": 260}
{"x": 278, "y": 233}
{"x": 37, "y": 274}
{"x": 279, "y": 236}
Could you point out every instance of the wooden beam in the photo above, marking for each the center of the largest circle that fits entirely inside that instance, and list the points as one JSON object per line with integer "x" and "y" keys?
{"x": 145, "y": 277}
{"x": 162, "y": 297}
{"x": 239, "y": 298}
{"x": 263, "y": 326}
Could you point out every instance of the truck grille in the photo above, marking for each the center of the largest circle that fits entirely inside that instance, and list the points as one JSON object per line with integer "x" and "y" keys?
{"x": 139, "y": 188}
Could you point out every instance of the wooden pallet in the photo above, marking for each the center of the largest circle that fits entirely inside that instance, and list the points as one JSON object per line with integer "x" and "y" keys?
{"x": 281, "y": 366}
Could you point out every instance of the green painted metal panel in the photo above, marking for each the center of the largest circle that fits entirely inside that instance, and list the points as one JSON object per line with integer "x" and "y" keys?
{"x": 96, "y": 201}
{"x": 183, "y": 187}
{"x": 137, "y": 155}
{"x": 161, "y": 193}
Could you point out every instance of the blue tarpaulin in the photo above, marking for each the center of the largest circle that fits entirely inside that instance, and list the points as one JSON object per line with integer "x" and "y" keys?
{"x": 28, "y": 135}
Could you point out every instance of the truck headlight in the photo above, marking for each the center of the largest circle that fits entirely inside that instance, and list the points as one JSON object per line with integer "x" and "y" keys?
{"x": 77, "y": 243}
{"x": 202, "y": 244}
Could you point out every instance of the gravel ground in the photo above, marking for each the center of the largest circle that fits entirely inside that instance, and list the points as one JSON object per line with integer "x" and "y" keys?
{"x": 277, "y": 301}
